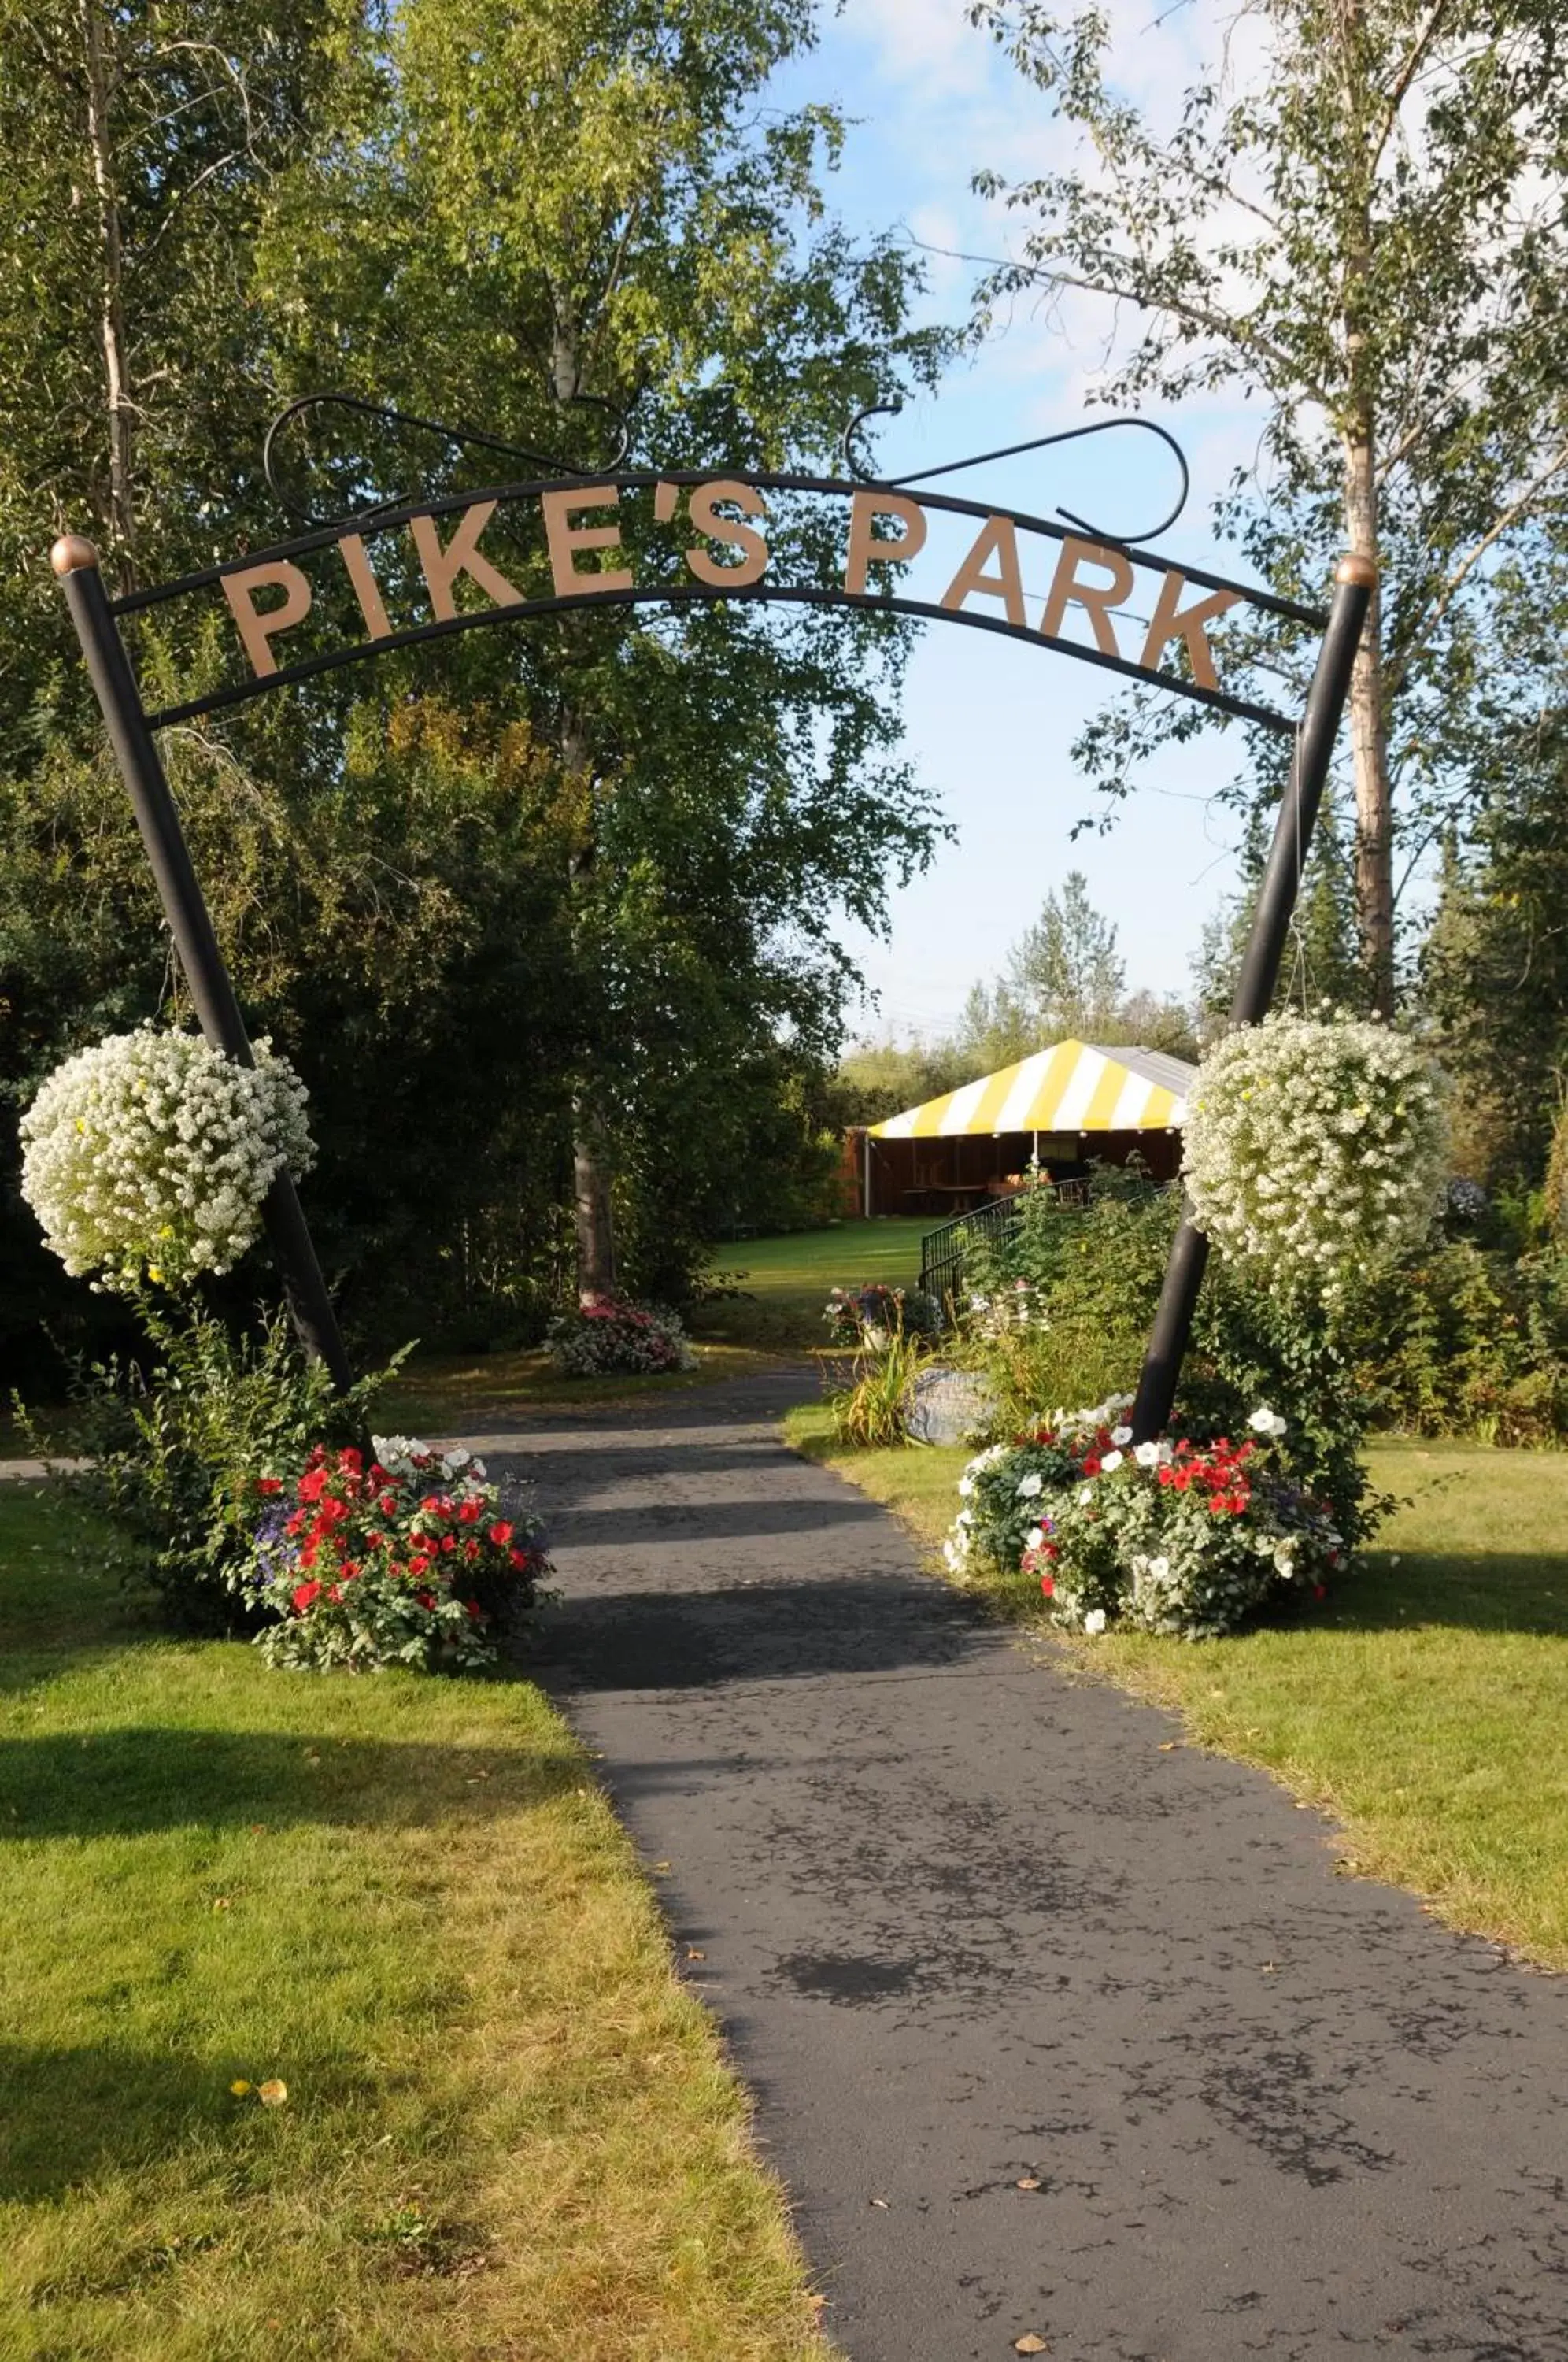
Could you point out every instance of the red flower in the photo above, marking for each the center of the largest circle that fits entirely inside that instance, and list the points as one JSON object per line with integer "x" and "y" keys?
{"x": 387, "y": 1504}
{"x": 431, "y": 1504}
{"x": 269, "y": 1484}
{"x": 1320, "y": 1591}
{"x": 307, "y": 1555}
{"x": 352, "y": 1458}
{"x": 311, "y": 1484}
{"x": 295, "y": 1522}
{"x": 500, "y": 1535}
{"x": 335, "y": 1595}
{"x": 517, "y": 1557}
{"x": 305, "y": 1597}
{"x": 471, "y": 1512}
{"x": 426, "y": 1598}
{"x": 420, "y": 1565}
{"x": 378, "y": 1473}
{"x": 1048, "y": 1585}
{"x": 476, "y": 1612}
{"x": 470, "y": 1548}
{"x": 448, "y": 1541}
{"x": 1092, "y": 1465}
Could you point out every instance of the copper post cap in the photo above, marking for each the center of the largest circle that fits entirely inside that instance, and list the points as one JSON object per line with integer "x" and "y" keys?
{"x": 71, "y": 552}
{"x": 1357, "y": 568}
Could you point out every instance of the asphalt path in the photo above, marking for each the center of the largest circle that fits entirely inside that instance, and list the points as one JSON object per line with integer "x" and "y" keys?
{"x": 1054, "y": 2028}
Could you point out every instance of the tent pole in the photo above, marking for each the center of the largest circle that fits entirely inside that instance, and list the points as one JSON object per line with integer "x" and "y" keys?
{"x": 868, "y": 1173}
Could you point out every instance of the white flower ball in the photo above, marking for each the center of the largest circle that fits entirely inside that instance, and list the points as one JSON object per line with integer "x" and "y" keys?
{"x": 149, "y": 1155}
{"x": 1314, "y": 1144}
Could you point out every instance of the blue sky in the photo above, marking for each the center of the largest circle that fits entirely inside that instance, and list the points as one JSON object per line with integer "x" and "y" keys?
{"x": 989, "y": 723}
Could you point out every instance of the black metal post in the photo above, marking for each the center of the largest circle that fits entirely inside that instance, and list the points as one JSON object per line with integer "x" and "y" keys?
{"x": 1354, "y": 579}
{"x": 75, "y": 561}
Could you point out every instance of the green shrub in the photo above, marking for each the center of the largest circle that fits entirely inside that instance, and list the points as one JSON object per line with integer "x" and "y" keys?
{"x": 173, "y": 1446}
{"x": 1466, "y": 1340}
{"x": 873, "y": 1409}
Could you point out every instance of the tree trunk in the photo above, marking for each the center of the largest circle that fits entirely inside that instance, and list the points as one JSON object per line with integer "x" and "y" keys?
{"x": 591, "y": 1161}
{"x": 1369, "y": 742}
{"x": 121, "y": 514}
{"x": 1368, "y": 722}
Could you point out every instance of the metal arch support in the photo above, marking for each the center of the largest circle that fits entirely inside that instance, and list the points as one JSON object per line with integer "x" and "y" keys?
{"x": 1014, "y": 450}
{"x": 466, "y": 437}
{"x": 1354, "y": 581}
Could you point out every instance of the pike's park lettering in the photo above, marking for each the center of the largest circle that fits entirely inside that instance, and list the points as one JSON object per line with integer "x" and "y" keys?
{"x": 1089, "y": 583}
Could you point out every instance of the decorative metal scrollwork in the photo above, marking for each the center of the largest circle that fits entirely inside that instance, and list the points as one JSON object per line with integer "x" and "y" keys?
{"x": 464, "y": 438}
{"x": 1013, "y": 451}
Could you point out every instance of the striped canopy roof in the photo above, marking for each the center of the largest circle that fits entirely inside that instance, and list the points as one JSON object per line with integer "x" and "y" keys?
{"x": 1072, "y": 1086}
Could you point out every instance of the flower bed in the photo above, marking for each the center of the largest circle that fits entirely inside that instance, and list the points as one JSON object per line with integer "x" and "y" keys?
{"x": 866, "y": 1318}
{"x": 1185, "y": 1538}
{"x": 408, "y": 1561}
{"x": 610, "y": 1335}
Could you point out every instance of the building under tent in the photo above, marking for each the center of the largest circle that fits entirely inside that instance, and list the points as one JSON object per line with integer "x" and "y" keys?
{"x": 1061, "y": 1108}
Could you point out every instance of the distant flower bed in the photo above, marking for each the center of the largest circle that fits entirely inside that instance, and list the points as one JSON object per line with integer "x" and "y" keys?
{"x": 867, "y": 1317}
{"x": 407, "y": 1560}
{"x": 1186, "y": 1539}
{"x": 612, "y": 1336}
{"x": 148, "y": 1156}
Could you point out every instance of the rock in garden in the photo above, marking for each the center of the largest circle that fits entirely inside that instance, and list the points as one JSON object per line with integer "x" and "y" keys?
{"x": 948, "y": 1405}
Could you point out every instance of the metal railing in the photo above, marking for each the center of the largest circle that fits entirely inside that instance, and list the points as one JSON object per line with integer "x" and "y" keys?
{"x": 942, "y": 1250}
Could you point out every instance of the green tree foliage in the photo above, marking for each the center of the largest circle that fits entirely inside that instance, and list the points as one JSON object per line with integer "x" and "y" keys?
{"x": 1319, "y": 963}
{"x": 1367, "y": 237}
{"x": 1064, "y": 979}
{"x": 529, "y": 887}
{"x": 640, "y": 231}
{"x": 1496, "y": 971}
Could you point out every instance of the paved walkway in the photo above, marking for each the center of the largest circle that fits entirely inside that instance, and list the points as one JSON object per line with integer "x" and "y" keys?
{"x": 965, "y": 1925}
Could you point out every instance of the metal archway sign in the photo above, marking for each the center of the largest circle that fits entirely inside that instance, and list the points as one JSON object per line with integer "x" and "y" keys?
{"x": 395, "y": 576}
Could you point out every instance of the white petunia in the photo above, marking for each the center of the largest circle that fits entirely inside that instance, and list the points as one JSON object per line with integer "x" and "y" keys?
{"x": 1094, "y": 1621}
{"x": 1147, "y": 1455}
{"x": 1029, "y": 1486}
{"x": 1121, "y": 1435}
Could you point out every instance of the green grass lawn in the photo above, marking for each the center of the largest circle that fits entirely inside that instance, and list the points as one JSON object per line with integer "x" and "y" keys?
{"x": 1425, "y": 1706}
{"x": 507, "y": 2130}
{"x": 785, "y": 1282}
{"x": 787, "y": 1279}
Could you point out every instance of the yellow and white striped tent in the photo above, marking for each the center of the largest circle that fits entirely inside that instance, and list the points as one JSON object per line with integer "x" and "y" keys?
{"x": 1072, "y": 1086}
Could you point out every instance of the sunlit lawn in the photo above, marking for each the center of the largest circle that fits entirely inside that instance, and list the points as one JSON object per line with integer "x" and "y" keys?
{"x": 786, "y": 1280}
{"x": 507, "y": 2130}
{"x": 1425, "y": 1705}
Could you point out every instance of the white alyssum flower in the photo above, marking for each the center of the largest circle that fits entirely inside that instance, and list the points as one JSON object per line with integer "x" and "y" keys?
{"x": 150, "y": 1155}
{"x": 1315, "y": 1148}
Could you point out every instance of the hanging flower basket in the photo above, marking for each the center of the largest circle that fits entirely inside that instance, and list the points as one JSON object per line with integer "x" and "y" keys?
{"x": 1315, "y": 1148}
{"x": 148, "y": 1156}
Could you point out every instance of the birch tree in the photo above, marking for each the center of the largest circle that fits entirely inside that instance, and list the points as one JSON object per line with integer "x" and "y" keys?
{"x": 590, "y": 198}
{"x": 1362, "y": 229}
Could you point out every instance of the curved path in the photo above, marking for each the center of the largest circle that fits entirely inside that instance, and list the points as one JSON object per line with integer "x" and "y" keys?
{"x": 966, "y": 1927}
